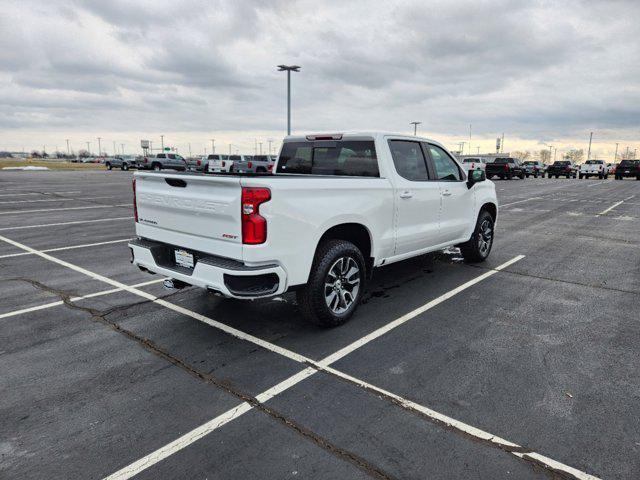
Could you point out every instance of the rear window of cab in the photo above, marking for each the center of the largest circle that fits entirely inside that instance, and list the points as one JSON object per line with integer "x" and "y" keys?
{"x": 355, "y": 158}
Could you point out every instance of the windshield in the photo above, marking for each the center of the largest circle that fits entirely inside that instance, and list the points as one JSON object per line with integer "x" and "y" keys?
{"x": 351, "y": 158}
{"x": 470, "y": 160}
{"x": 503, "y": 160}
{"x": 594, "y": 162}
{"x": 529, "y": 163}
{"x": 560, "y": 163}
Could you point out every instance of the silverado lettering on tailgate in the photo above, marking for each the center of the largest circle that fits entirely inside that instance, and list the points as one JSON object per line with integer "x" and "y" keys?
{"x": 180, "y": 202}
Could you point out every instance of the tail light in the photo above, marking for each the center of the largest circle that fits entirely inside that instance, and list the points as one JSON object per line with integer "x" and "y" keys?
{"x": 223, "y": 163}
{"x": 249, "y": 165}
{"x": 198, "y": 162}
{"x": 506, "y": 166}
{"x": 568, "y": 169}
{"x": 146, "y": 159}
{"x": 254, "y": 226}
{"x": 135, "y": 203}
{"x": 270, "y": 168}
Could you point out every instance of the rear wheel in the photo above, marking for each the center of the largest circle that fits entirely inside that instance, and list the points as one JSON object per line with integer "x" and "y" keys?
{"x": 108, "y": 165}
{"x": 125, "y": 166}
{"x": 157, "y": 167}
{"x": 335, "y": 284}
{"x": 478, "y": 247}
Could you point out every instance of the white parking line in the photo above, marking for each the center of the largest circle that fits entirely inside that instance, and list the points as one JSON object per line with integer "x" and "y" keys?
{"x": 58, "y": 199}
{"x": 75, "y": 299}
{"x": 73, "y": 247}
{"x": 520, "y": 201}
{"x": 194, "y": 435}
{"x": 611, "y": 208}
{"x": 76, "y": 222}
{"x": 33, "y": 193}
{"x": 18, "y": 212}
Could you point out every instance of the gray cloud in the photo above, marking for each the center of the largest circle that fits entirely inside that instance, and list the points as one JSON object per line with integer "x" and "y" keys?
{"x": 536, "y": 69}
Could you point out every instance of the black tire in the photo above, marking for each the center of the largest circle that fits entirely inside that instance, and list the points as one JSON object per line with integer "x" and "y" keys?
{"x": 156, "y": 166}
{"x": 581, "y": 176}
{"x": 313, "y": 299}
{"x": 527, "y": 175}
{"x": 557, "y": 176}
{"x": 509, "y": 176}
{"x": 521, "y": 176}
{"x": 108, "y": 165}
{"x": 478, "y": 247}
{"x": 125, "y": 166}
{"x": 535, "y": 175}
{"x": 600, "y": 176}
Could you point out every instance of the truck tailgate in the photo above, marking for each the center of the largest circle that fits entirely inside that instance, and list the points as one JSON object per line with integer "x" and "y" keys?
{"x": 198, "y": 212}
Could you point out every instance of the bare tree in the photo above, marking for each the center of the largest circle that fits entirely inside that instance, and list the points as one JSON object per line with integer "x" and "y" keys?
{"x": 521, "y": 155}
{"x": 576, "y": 155}
{"x": 626, "y": 155}
{"x": 544, "y": 155}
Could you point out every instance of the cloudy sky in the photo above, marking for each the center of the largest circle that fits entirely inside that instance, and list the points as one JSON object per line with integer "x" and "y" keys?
{"x": 539, "y": 71}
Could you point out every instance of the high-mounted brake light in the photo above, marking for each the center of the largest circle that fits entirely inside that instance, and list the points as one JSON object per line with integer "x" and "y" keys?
{"x": 254, "y": 226}
{"x": 331, "y": 136}
{"x": 135, "y": 203}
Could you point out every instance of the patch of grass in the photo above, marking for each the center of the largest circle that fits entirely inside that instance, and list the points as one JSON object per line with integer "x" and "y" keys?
{"x": 54, "y": 164}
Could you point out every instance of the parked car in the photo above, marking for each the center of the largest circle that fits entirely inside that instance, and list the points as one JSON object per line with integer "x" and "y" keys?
{"x": 218, "y": 163}
{"x": 505, "y": 168}
{"x": 474, "y": 164}
{"x": 536, "y": 168}
{"x": 197, "y": 164}
{"x": 593, "y": 168}
{"x": 256, "y": 164}
{"x": 89, "y": 160}
{"x": 162, "y": 161}
{"x": 628, "y": 168}
{"x": 123, "y": 162}
{"x": 565, "y": 168}
{"x": 338, "y": 206}
{"x": 611, "y": 167}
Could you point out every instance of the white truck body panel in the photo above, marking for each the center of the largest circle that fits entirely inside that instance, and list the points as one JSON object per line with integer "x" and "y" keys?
{"x": 403, "y": 218}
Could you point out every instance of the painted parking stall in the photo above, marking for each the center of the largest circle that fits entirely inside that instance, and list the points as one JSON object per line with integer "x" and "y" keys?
{"x": 425, "y": 367}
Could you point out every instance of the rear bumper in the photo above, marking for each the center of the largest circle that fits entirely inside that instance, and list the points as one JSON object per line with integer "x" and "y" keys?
{"x": 222, "y": 275}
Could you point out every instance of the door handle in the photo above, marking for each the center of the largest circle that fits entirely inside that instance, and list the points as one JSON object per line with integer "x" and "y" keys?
{"x": 446, "y": 193}
{"x": 406, "y": 194}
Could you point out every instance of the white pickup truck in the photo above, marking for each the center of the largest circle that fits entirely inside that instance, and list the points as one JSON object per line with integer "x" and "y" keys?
{"x": 594, "y": 168}
{"x": 337, "y": 206}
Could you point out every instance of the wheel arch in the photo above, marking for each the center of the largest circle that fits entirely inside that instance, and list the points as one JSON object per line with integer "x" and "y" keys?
{"x": 353, "y": 232}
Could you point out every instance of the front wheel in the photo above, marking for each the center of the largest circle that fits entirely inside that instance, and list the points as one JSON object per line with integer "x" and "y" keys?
{"x": 335, "y": 284}
{"x": 478, "y": 247}
{"x": 125, "y": 166}
{"x": 109, "y": 167}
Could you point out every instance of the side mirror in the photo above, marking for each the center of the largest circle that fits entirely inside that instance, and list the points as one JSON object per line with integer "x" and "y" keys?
{"x": 475, "y": 176}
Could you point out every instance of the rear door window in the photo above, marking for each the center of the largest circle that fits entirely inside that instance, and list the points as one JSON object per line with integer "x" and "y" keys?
{"x": 356, "y": 158}
{"x": 162, "y": 155}
{"x": 409, "y": 160}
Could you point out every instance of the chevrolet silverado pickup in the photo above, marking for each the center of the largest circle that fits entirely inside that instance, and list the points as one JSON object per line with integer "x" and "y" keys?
{"x": 336, "y": 207}
{"x": 628, "y": 168}
{"x": 505, "y": 168}
{"x": 565, "y": 168}
{"x": 593, "y": 168}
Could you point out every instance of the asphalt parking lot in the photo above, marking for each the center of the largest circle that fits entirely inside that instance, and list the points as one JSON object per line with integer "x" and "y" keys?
{"x": 526, "y": 366}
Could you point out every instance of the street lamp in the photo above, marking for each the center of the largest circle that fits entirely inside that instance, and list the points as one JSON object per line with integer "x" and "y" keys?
{"x": 99, "y": 148}
{"x": 213, "y": 145}
{"x": 288, "y": 69}
{"x": 415, "y": 127}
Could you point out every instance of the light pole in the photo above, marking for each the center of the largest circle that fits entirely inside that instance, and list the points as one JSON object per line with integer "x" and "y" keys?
{"x": 89, "y": 148}
{"x": 288, "y": 69}
{"x": 589, "y": 151}
{"x": 260, "y": 148}
{"x": 213, "y": 145}
{"x": 99, "y": 147}
{"x": 415, "y": 127}
{"x": 478, "y": 150}
{"x": 114, "y": 148}
{"x": 162, "y": 142}
{"x": 122, "y": 146}
{"x": 270, "y": 142}
{"x": 615, "y": 156}
{"x": 229, "y": 149}
{"x": 189, "y": 149}
{"x": 68, "y": 151}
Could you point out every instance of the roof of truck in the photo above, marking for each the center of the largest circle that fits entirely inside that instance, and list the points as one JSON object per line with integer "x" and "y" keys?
{"x": 370, "y": 134}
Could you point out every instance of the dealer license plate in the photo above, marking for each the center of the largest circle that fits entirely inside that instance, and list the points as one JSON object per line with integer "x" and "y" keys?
{"x": 184, "y": 259}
